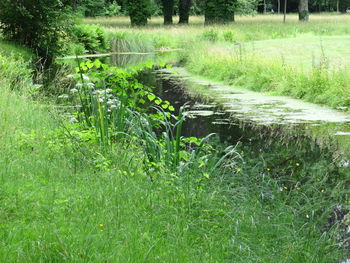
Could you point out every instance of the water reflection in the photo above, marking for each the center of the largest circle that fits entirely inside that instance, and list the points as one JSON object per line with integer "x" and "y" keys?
{"x": 241, "y": 115}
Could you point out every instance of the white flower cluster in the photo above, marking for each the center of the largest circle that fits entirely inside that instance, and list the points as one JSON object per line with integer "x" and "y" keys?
{"x": 63, "y": 96}
{"x": 102, "y": 95}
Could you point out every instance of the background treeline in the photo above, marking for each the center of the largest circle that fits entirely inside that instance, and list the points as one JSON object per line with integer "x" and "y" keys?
{"x": 92, "y": 8}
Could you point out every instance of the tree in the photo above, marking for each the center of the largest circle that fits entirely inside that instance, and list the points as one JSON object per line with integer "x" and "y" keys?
{"x": 303, "y": 10}
{"x": 168, "y": 10}
{"x": 138, "y": 11}
{"x": 184, "y": 11}
{"x": 219, "y": 11}
{"x": 38, "y": 24}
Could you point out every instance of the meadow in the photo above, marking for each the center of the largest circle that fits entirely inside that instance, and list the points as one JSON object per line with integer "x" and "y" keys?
{"x": 307, "y": 61}
{"x": 86, "y": 179}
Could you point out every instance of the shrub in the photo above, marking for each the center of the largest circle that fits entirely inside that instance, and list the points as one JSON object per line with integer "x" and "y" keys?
{"x": 92, "y": 37}
{"x": 94, "y": 8}
{"x": 139, "y": 11}
{"x": 229, "y": 36}
{"x": 38, "y": 24}
{"x": 210, "y": 35}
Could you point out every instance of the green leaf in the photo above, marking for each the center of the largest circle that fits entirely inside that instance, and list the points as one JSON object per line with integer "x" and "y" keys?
{"x": 89, "y": 64}
{"x": 171, "y": 108}
{"x": 151, "y": 97}
{"x": 97, "y": 63}
{"x": 158, "y": 101}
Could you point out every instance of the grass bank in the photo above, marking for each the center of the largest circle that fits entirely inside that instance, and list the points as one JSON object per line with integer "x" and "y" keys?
{"x": 63, "y": 198}
{"x": 7, "y": 48}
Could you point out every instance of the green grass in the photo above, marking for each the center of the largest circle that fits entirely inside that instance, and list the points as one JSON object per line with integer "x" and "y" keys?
{"x": 61, "y": 199}
{"x": 303, "y": 52}
{"x": 308, "y": 61}
{"x": 7, "y": 48}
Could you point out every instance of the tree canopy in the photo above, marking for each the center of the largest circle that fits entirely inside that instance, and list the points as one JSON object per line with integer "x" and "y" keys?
{"x": 37, "y": 24}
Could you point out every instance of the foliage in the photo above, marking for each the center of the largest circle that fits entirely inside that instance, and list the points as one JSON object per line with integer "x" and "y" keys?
{"x": 106, "y": 96}
{"x": 229, "y": 36}
{"x": 139, "y": 11}
{"x": 92, "y": 37}
{"x": 210, "y": 35}
{"x": 11, "y": 49}
{"x": 219, "y": 11}
{"x": 247, "y": 7}
{"x": 92, "y": 8}
{"x": 53, "y": 179}
{"x": 15, "y": 74}
{"x": 38, "y": 24}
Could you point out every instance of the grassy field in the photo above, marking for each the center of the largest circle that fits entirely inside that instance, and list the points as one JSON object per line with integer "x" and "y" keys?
{"x": 62, "y": 199}
{"x": 66, "y": 198}
{"x": 308, "y": 61}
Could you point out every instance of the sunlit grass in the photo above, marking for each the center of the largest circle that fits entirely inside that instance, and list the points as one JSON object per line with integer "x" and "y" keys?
{"x": 309, "y": 44}
{"x": 246, "y": 28}
{"x": 316, "y": 53}
{"x": 63, "y": 201}
{"x": 7, "y": 48}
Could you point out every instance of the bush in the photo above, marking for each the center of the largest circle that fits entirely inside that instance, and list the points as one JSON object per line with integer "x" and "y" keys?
{"x": 139, "y": 11}
{"x": 229, "y": 36}
{"x": 15, "y": 74}
{"x": 37, "y": 24}
{"x": 210, "y": 35}
{"x": 92, "y": 37}
{"x": 92, "y": 8}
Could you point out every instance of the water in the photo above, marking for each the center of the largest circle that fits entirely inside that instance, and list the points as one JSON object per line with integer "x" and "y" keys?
{"x": 273, "y": 132}
{"x": 237, "y": 114}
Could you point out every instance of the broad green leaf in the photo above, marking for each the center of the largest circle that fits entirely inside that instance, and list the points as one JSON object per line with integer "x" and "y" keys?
{"x": 151, "y": 97}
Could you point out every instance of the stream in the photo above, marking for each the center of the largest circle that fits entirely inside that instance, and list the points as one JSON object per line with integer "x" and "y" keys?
{"x": 237, "y": 114}
{"x": 276, "y": 133}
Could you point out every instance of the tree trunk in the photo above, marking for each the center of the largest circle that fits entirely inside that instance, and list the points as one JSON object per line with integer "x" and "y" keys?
{"x": 284, "y": 11}
{"x": 210, "y": 11}
{"x": 303, "y": 10}
{"x": 168, "y": 10}
{"x": 337, "y": 6}
{"x": 184, "y": 11}
{"x": 278, "y": 6}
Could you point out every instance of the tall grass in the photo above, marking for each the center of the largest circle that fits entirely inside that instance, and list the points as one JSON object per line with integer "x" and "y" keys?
{"x": 226, "y": 53}
{"x": 320, "y": 85}
{"x": 246, "y": 28}
{"x": 64, "y": 199}
{"x": 7, "y": 48}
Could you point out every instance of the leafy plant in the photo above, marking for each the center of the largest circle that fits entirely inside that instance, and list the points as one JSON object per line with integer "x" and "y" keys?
{"x": 210, "y": 35}
{"x": 38, "y": 24}
{"x": 92, "y": 37}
